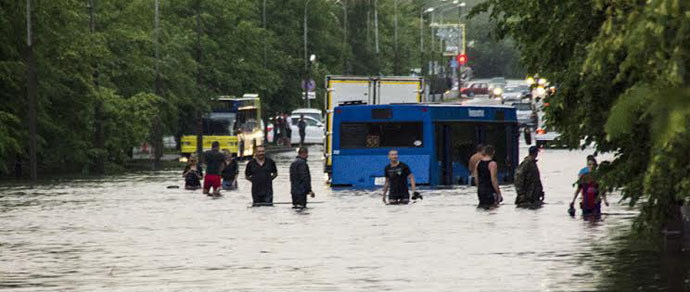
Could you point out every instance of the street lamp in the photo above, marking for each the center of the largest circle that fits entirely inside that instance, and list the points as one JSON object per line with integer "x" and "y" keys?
{"x": 421, "y": 36}
{"x": 307, "y": 83}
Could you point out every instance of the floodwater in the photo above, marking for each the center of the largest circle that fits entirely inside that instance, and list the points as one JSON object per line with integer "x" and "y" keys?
{"x": 131, "y": 233}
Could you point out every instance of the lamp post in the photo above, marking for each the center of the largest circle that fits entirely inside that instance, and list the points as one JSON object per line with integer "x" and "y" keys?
{"x": 306, "y": 4}
{"x": 421, "y": 38}
{"x": 344, "y": 53}
{"x": 307, "y": 80}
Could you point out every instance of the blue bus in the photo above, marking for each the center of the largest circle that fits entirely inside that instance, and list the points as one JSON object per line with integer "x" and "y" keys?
{"x": 435, "y": 140}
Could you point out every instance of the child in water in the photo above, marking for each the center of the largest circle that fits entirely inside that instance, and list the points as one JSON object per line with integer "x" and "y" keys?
{"x": 192, "y": 175}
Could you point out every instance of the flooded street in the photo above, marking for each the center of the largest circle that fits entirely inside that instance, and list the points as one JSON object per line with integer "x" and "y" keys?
{"x": 131, "y": 233}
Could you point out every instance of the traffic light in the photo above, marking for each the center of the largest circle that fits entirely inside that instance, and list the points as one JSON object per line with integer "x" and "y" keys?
{"x": 461, "y": 58}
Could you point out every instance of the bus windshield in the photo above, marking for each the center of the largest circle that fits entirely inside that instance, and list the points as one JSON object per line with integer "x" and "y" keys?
{"x": 247, "y": 120}
{"x": 377, "y": 135}
{"x": 219, "y": 124}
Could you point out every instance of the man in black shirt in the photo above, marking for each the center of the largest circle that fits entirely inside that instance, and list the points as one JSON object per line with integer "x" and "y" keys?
{"x": 396, "y": 174}
{"x": 302, "y": 126}
{"x": 300, "y": 179}
{"x": 215, "y": 161}
{"x": 261, "y": 171}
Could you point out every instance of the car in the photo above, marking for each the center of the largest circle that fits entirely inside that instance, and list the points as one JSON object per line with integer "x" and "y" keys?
{"x": 545, "y": 137}
{"x": 308, "y": 112}
{"x": 477, "y": 88}
{"x": 515, "y": 93}
{"x": 314, "y": 133}
{"x": 526, "y": 113}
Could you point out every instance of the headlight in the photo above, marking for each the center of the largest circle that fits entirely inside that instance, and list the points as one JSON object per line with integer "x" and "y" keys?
{"x": 498, "y": 91}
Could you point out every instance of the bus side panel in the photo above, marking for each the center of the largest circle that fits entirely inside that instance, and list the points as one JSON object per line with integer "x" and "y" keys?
{"x": 367, "y": 171}
{"x": 226, "y": 143}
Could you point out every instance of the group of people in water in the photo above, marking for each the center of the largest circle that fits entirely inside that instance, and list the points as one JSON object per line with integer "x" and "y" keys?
{"x": 484, "y": 174}
{"x": 222, "y": 170}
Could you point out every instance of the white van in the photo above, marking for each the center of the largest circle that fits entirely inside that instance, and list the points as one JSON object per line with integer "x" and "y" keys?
{"x": 309, "y": 112}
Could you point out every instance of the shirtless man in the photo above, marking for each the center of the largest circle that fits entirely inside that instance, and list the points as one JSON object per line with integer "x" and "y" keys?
{"x": 472, "y": 164}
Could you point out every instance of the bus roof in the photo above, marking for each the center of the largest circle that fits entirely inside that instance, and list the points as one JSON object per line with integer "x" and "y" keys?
{"x": 436, "y": 112}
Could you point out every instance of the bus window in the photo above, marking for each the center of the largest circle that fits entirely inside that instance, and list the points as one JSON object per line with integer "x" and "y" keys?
{"x": 380, "y": 135}
{"x": 246, "y": 120}
{"x": 218, "y": 126}
{"x": 495, "y": 134}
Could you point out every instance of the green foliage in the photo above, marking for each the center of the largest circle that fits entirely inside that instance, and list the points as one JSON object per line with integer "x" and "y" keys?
{"x": 620, "y": 68}
{"x": 108, "y": 76}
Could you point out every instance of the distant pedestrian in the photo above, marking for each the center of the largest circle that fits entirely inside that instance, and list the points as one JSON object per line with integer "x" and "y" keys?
{"x": 276, "y": 126}
{"x": 215, "y": 161}
{"x": 300, "y": 179}
{"x": 487, "y": 179}
{"x": 302, "y": 126}
{"x": 288, "y": 128}
{"x": 397, "y": 173}
{"x": 261, "y": 171}
{"x": 192, "y": 174}
{"x": 528, "y": 182}
{"x": 230, "y": 172}
{"x": 472, "y": 164}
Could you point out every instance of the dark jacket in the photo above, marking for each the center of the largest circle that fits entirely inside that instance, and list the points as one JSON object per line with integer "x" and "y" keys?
{"x": 300, "y": 178}
{"x": 528, "y": 183}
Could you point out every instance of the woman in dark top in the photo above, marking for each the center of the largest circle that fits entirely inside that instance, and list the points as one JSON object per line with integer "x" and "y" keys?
{"x": 230, "y": 172}
{"x": 192, "y": 175}
{"x": 487, "y": 175}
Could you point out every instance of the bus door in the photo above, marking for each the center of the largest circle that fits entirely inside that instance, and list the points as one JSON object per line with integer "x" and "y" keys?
{"x": 455, "y": 144}
{"x": 444, "y": 153}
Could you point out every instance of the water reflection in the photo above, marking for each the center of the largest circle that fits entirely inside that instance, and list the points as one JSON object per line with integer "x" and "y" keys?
{"x": 129, "y": 232}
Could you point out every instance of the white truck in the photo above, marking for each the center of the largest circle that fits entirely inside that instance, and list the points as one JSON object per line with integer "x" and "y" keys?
{"x": 367, "y": 90}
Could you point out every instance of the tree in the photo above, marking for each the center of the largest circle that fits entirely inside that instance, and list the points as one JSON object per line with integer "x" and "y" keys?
{"x": 620, "y": 71}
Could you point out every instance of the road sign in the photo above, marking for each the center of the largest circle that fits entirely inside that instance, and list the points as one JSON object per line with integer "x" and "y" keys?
{"x": 310, "y": 95}
{"x": 308, "y": 85}
{"x": 453, "y": 64}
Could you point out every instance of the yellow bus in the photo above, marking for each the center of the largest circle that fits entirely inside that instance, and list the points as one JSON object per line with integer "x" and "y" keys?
{"x": 234, "y": 122}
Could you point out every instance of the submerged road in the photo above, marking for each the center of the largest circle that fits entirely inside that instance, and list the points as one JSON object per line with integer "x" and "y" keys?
{"x": 130, "y": 233}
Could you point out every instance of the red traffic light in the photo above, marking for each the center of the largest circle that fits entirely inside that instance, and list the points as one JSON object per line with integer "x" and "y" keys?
{"x": 461, "y": 58}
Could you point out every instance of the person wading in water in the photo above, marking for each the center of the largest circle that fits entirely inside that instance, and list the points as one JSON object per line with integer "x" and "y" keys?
{"x": 396, "y": 174}
{"x": 215, "y": 162}
{"x": 192, "y": 175}
{"x": 487, "y": 180}
{"x": 472, "y": 164}
{"x": 530, "y": 192}
{"x": 230, "y": 172}
{"x": 261, "y": 171}
{"x": 300, "y": 179}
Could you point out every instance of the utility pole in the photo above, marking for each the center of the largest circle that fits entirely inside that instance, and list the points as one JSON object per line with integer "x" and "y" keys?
{"x": 99, "y": 164}
{"x": 156, "y": 127}
{"x": 306, "y": 60}
{"x": 31, "y": 93}
{"x": 376, "y": 26}
{"x": 265, "y": 34}
{"x": 200, "y": 124}
{"x": 395, "y": 38}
